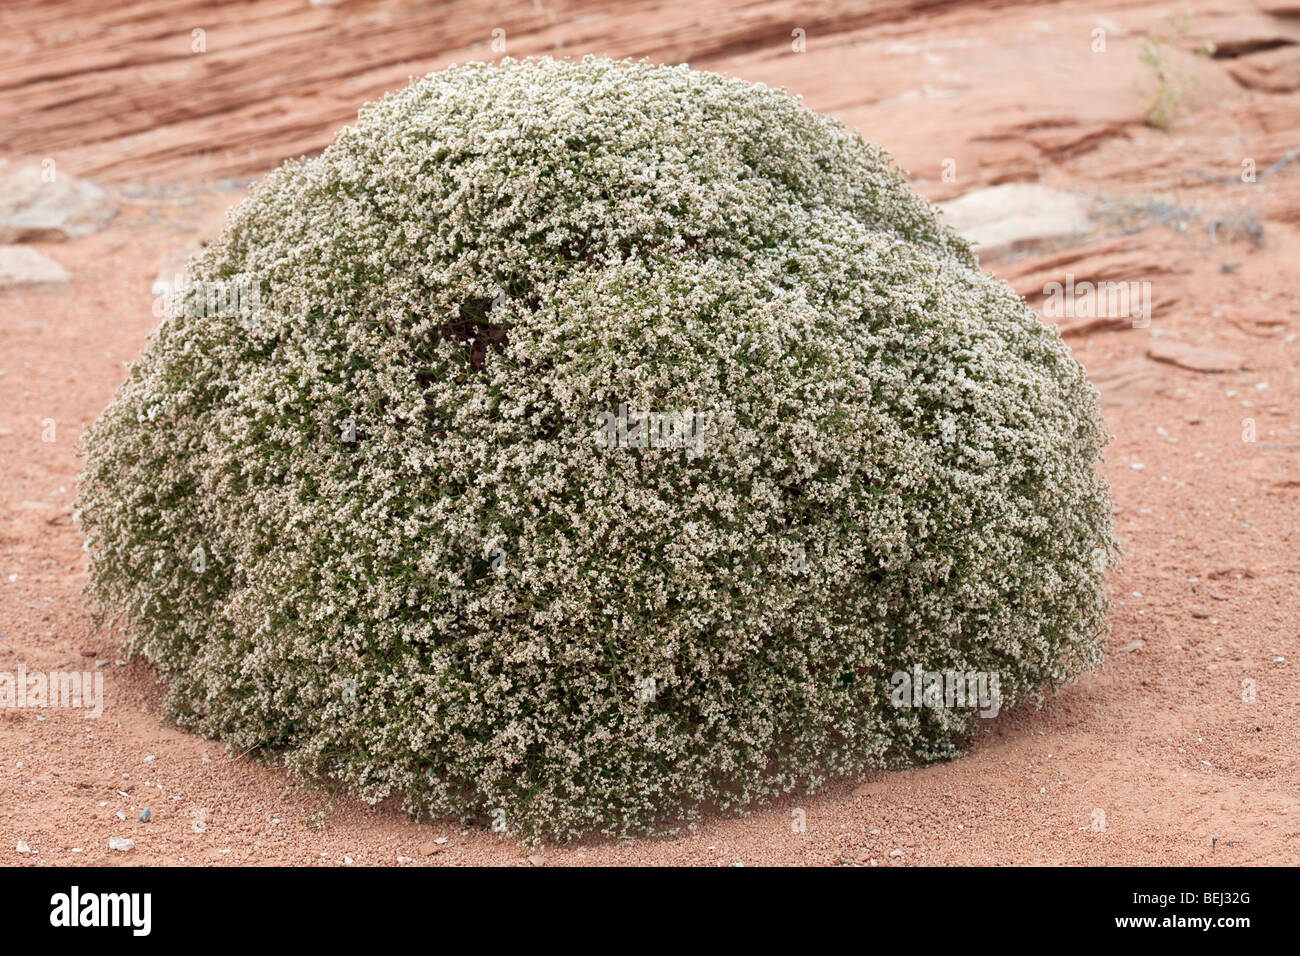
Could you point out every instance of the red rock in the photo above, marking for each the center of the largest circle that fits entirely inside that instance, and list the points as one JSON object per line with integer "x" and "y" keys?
{"x": 1194, "y": 357}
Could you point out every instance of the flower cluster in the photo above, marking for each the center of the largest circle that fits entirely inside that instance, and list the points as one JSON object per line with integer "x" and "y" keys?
{"x": 422, "y": 574}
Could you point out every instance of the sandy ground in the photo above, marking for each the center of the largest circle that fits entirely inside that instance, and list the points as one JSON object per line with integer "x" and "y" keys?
{"x": 1183, "y": 749}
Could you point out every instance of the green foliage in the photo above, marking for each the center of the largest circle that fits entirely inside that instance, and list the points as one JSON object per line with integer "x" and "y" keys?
{"x": 365, "y": 519}
{"x": 1168, "y": 83}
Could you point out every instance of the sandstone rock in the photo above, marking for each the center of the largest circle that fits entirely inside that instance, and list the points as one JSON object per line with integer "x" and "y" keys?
{"x": 1273, "y": 71}
{"x": 34, "y": 210}
{"x": 1124, "y": 383}
{"x": 20, "y": 265}
{"x": 1279, "y": 8}
{"x": 1258, "y": 319}
{"x": 1194, "y": 357}
{"x": 1243, "y": 33}
{"x": 1148, "y": 265}
{"x": 1016, "y": 217}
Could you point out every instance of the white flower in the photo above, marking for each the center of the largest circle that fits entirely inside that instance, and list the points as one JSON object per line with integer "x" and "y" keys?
{"x": 485, "y": 263}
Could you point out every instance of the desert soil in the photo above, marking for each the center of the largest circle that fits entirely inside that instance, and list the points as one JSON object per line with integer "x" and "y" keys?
{"x": 1183, "y": 748}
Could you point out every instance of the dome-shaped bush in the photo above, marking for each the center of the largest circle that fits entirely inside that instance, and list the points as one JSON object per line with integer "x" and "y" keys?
{"x": 384, "y": 495}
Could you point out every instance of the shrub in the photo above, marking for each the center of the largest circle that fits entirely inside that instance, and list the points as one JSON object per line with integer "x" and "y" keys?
{"x": 385, "y": 512}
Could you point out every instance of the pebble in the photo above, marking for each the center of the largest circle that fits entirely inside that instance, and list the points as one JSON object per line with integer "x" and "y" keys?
{"x": 896, "y": 854}
{"x": 429, "y": 849}
{"x": 145, "y": 815}
{"x": 24, "y": 848}
{"x": 119, "y": 843}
